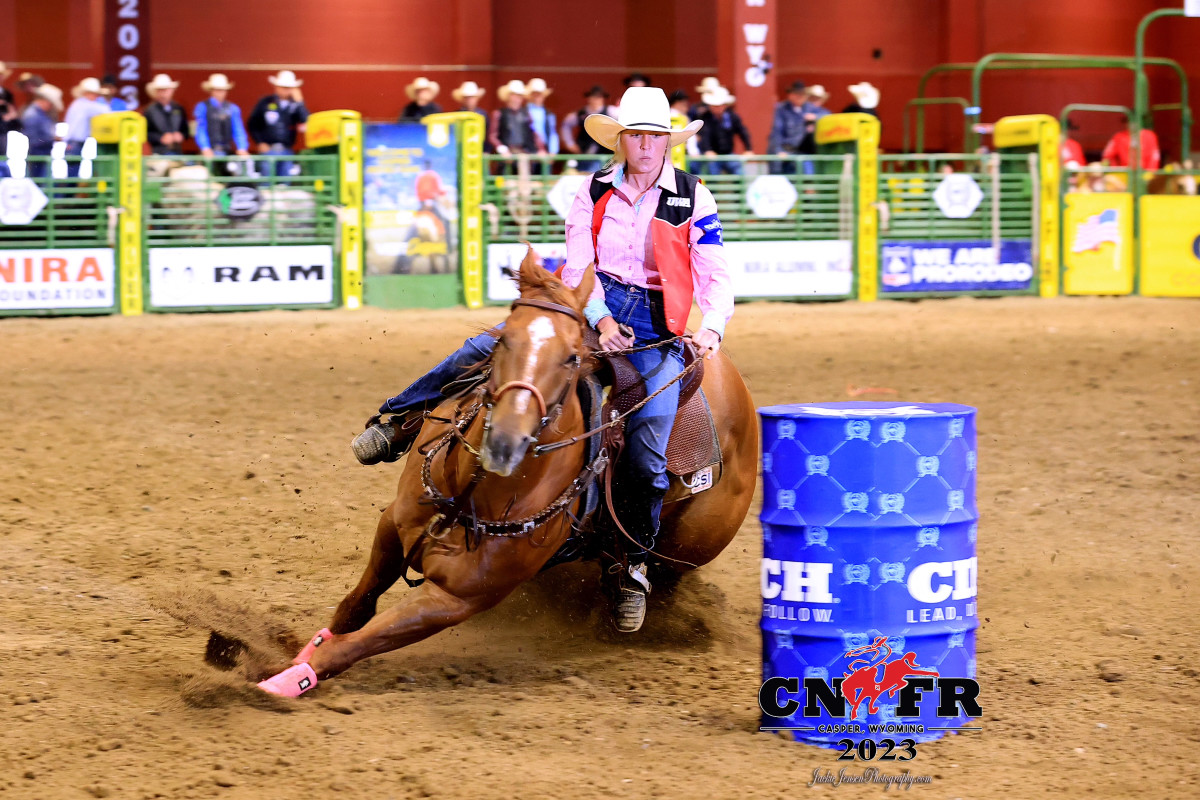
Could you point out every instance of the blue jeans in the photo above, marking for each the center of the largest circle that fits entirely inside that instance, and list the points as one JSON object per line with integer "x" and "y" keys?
{"x": 282, "y": 168}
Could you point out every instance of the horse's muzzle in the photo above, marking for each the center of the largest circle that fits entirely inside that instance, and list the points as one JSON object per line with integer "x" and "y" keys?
{"x": 502, "y": 452}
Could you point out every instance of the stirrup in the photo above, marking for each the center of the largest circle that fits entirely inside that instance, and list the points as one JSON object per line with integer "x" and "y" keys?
{"x": 386, "y": 441}
{"x": 630, "y": 610}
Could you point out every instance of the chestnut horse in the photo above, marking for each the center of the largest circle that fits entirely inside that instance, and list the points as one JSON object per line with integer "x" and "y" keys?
{"x": 536, "y": 362}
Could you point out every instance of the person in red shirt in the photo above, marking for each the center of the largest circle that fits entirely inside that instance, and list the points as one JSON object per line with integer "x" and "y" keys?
{"x": 1116, "y": 152}
{"x": 1071, "y": 151}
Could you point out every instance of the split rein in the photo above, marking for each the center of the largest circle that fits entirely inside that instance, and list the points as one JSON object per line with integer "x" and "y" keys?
{"x": 460, "y": 509}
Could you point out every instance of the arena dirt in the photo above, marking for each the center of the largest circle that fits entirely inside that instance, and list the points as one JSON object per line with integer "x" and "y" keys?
{"x": 165, "y": 474}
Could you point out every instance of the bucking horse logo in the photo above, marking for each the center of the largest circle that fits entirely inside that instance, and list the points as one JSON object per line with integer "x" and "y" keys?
{"x": 861, "y": 682}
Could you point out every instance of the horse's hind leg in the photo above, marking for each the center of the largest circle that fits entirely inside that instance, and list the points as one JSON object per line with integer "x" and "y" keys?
{"x": 383, "y": 570}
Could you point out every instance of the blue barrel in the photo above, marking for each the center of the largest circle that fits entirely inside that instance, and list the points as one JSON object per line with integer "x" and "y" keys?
{"x": 869, "y": 525}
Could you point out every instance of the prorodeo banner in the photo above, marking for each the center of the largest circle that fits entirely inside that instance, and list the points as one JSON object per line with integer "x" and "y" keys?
{"x": 56, "y": 279}
{"x": 957, "y": 267}
{"x": 216, "y": 277}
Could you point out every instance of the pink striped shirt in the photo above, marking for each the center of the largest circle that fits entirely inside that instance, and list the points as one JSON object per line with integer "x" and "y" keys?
{"x": 627, "y": 253}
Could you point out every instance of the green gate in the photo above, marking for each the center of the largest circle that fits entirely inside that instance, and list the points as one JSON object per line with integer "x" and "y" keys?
{"x": 958, "y": 224}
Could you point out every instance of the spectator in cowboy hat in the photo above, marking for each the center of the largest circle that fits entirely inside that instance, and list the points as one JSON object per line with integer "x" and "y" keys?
{"x": 37, "y": 123}
{"x": 788, "y": 127}
{"x": 27, "y": 85}
{"x": 468, "y": 96}
{"x": 166, "y": 121}
{"x": 86, "y": 105}
{"x": 279, "y": 117}
{"x": 721, "y": 125}
{"x": 544, "y": 121}
{"x": 512, "y": 126}
{"x": 866, "y": 99}
{"x": 219, "y": 128}
{"x": 813, "y": 109}
{"x": 709, "y": 84}
{"x": 576, "y": 139}
{"x": 421, "y": 93}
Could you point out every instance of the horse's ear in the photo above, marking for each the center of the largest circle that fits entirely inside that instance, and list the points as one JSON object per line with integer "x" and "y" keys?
{"x": 584, "y": 290}
{"x": 531, "y": 272}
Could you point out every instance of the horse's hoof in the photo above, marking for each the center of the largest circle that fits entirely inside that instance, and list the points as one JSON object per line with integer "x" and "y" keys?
{"x": 292, "y": 682}
{"x": 306, "y": 653}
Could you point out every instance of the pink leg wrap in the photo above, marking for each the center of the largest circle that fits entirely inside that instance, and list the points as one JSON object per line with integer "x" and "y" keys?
{"x": 292, "y": 682}
{"x": 306, "y": 653}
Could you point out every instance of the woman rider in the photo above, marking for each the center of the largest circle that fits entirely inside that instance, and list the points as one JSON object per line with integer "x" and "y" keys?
{"x": 654, "y": 234}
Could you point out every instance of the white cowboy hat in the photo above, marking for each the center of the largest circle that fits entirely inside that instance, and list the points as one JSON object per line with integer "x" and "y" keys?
{"x": 161, "y": 81}
{"x": 512, "y": 87}
{"x": 217, "y": 82}
{"x": 421, "y": 83}
{"x": 709, "y": 84}
{"x": 468, "y": 89}
{"x": 286, "y": 79}
{"x": 719, "y": 96}
{"x": 48, "y": 91}
{"x": 86, "y": 85}
{"x": 4, "y": 71}
{"x": 538, "y": 85}
{"x": 866, "y": 94}
{"x": 643, "y": 108}
{"x": 817, "y": 90}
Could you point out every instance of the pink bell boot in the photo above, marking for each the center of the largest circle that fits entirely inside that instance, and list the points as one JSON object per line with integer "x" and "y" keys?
{"x": 306, "y": 653}
{"x": 292, "y": 682}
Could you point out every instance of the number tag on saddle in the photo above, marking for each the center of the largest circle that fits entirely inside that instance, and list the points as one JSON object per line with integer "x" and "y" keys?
{"x": 700, "y": 480}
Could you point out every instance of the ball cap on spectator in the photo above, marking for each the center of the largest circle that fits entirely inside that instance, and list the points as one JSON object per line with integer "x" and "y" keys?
{"x": 596, "y": 91}
{"x": 217, "y": 82}
{"x": 512, "y": 87}
{"x": 91, "y": 85}
{"x": 421, "y": 83}
{"x": 707, "y": 85}
{"x": 538, "y": 85}
{"x": 719, "y": 96}
{"x": 866, "y": 94}
{"x": 798, "y": 87}
{"x": 286, "y": 79}
{"x": 468, "y": 89}
{"x": 643, "y": 108}
{"x": 48, "y": 91}
{"x": 161, "y": 81}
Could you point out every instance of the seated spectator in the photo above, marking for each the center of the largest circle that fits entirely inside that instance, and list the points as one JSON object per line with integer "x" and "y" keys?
{"x": 421, "y": 93}
{"x": 278, "y": 118}
{"x": 545, "y": 124}
{"x": 166, "y": 121}
{"x": 86, "y": 106}
{"x": 108, "y": 93}
{"x": 813, "y": 109}
{"x": 219, "y": 128}
{"x": 788, "y": 127}
{"x": 512, "y": 126}
{"x": 721, "y": 125}
{"x": 575, "y": 138}
{"x": 866, "y": 100}
{"x": 1116, "y": 152}
{"x": 468, "y": 96}
{"x": 37, "y": 123}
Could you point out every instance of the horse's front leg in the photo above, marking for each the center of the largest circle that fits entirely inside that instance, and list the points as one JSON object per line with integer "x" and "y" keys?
{"x": 458, "y": 585}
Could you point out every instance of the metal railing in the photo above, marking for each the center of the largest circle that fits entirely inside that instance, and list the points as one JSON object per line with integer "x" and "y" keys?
{"x": 523, "y": 197}
{"x": 909, "y": 211}
{"x": 76, "y": 213}
{"x": 240, "y": 200}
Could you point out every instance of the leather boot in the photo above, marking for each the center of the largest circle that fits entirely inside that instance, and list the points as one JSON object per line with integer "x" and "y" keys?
{"x": 638, "y": 510}
{"x": 387, "y": 441}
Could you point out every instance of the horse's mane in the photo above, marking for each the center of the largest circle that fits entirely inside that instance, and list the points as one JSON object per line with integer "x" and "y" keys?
{"x": 542, "y": 284}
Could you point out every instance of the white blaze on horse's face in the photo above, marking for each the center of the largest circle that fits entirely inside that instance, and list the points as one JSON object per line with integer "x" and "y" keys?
{"x": 540, "y": 331}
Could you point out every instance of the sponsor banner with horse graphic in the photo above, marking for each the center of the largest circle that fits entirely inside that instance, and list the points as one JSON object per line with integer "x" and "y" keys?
{"x": 410, "y": 195}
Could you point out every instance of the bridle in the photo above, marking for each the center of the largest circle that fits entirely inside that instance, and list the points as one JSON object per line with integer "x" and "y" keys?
{"x": 549, "y": 412}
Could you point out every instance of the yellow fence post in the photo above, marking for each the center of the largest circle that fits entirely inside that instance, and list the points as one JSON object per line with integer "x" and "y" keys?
{"x": 125, "y": 131}
{"x": 345, "y": 130}
{"x": 1039, "y": 133}
{"x": 861, "y": 133}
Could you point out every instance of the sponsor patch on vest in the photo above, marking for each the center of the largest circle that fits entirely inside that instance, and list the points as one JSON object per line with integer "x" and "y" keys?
{"x": 711, "y": 226}
{"x": 685, "y": 202}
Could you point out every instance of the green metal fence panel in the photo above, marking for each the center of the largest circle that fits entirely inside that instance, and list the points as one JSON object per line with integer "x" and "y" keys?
{"x": 520, "y": 197}
{"x": 201, "y": 202}
{"x": 76, "y": 212}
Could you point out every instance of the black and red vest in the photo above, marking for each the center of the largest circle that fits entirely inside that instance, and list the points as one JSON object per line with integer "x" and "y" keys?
{"x": 670, "y": 235}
